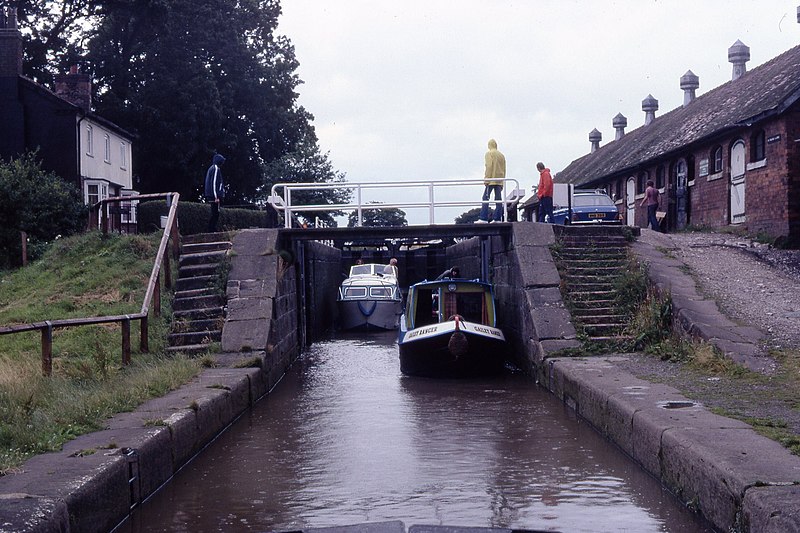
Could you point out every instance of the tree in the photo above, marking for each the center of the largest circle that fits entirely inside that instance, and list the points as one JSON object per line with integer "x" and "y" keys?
{"x": 386, "y": 216}
{"x": 54, "y": 34}
{"x": 38, "y": 203}
{"x": 195, "y": 77}
{"x": 307, "y": 165}
{"x": 468, "y": 217}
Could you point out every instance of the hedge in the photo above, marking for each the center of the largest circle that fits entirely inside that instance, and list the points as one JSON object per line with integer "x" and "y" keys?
{"x": 193, "y": 217}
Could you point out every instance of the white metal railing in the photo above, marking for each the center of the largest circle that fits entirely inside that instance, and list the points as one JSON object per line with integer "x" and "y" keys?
{"x": 511, "y": 193}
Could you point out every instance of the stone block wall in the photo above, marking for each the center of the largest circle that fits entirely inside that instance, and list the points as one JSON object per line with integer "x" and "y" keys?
{"x": 530, "y": 310}
{"x": 323, "y": 276}
{"x": 262, "y": 304}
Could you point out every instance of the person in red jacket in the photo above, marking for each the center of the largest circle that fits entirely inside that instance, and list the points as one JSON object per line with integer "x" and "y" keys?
{"x": 545, "y": 194}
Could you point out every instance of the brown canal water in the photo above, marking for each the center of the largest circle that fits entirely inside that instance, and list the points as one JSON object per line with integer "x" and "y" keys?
{"x": 345, "y": 439}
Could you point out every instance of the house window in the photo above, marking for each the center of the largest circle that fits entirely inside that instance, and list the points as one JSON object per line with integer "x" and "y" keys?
{"x": 641, "y": 181}
{"x": 123, "y": 156}
{"x": 716, "y": 158}
{"x": 757, "y": 146}
{"x": 619, "y": 190}
{"x": 107, "y": 149}
{"x": 95, "y": 191}
{"x": 660, "y": 176}
{"x": 89, "y": 141}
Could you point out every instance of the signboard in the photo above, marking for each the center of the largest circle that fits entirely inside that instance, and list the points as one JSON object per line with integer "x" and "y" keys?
{"x": 703, "y": 167}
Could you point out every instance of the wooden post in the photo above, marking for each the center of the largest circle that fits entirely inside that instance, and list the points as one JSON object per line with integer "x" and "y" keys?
{"x": 104, "y": 217}
{"x": 24, "y": 237}
{"x": 47, "y": 349}
{"x": 167, "y": 273}
{"x": 126, "y": 341}
{"x": 157, "y": 296}
{"x": 176, "y": 238}
{"x": 144, "y": 344}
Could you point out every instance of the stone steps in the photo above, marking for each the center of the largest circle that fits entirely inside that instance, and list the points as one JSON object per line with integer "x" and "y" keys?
{"x": 199, "y": 306}
{"x": 590, "y": 263}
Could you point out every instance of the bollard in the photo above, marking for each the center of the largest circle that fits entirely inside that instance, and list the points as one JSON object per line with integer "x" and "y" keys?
{"x": 126, "y": 341}
{"x": 47, "y": 349}
{"x": 144, "y": 343}
{"x": 24, "y": 237}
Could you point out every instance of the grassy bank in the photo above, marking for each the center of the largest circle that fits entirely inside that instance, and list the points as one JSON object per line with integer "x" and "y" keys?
{"x": 87, "y": 275}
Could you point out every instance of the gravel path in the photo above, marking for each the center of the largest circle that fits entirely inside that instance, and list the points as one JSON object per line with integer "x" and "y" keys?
{"x": 754, "y": 285}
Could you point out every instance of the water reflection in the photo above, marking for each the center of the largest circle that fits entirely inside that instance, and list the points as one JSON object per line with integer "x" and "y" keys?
{"x": 345, "y": 438}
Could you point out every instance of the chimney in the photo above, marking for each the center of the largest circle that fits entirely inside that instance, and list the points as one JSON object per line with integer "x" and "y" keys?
{"x": 738, "y": 54}
{"x": 649, "y": 106}
{"x": 619, "y": 122}
{"x": 75, "y": 88}
{"x": 10, "y": 44}
{"x": 689, "y": 83}
{"x": 595, "y": 137}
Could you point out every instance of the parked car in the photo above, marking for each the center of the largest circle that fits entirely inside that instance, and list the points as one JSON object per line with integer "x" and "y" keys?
{"x": 588, "y": 207}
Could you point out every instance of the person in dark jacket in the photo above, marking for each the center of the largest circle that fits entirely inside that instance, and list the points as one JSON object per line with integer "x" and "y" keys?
{"x": 214, "y": 191}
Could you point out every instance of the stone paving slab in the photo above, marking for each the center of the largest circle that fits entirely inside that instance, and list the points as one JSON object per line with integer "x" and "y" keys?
{"x": 709, "y": 461}
{"x": 771, "y": 509}
{"x": 93, "y": 487}
{"x": 712, "y": 468}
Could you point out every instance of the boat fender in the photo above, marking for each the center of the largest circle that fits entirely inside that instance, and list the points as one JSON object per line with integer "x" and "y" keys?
{"x": 458, "y": 344}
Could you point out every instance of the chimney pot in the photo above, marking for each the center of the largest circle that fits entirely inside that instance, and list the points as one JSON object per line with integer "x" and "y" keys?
{"x": 595, "y": 137}
{"x": 738, "y": 54}
{"x": 689, "y": 83}
{"x": 649, "y": 106}
{"x": 619, "y": 122}
{"x": 75, "y": 87}
{"x": 10, "y": 44}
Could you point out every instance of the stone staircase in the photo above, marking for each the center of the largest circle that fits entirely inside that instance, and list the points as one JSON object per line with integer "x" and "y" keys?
{"x": 198, "y": 308}
{"x": 590, "y": 261}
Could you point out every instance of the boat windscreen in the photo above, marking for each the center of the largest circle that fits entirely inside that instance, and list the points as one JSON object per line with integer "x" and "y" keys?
{"x": 471, "y": 306}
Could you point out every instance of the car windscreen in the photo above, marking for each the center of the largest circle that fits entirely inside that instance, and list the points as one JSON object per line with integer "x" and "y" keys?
{"x": 589, "y": 200}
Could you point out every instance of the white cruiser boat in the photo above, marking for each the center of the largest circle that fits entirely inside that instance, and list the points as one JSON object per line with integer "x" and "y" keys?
{"x": 370, "y": 298}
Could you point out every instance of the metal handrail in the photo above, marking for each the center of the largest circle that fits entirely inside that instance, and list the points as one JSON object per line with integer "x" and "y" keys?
{"x": 283, "y": 202}
{"x": 152, "y": 293}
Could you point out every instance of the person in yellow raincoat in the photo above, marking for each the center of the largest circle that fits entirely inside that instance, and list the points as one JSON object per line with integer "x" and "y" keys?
{"x": 495, "y": 163}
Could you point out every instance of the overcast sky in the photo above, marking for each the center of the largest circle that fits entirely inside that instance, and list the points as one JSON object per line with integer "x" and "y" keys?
{"x": 407, "y": 90}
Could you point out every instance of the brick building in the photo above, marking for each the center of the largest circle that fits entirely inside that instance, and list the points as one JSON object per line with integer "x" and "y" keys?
{"x": 72, "y": 141}
{"x": 728, "y": 157}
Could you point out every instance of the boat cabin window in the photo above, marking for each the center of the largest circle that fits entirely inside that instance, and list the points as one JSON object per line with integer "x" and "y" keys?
{"x": 470, "y": 305}
{"x": 357, "y": 270}
{"x": 355, "y": 292}
{"x": 380, "y": 292}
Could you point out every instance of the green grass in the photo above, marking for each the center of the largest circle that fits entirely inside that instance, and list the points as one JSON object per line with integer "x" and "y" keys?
{"x": 87, "y": 275}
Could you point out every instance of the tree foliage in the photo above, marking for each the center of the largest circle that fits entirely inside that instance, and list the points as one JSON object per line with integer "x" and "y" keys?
{"x": 468, "y": 217}
{"x": 195, "y": 77}
{"x": 54, "y": 34}
{"x": 38, "y": 203}
{"x": 306, "y": 164}
{"x": 188, "y": 77}
{"x": 381, "y": 217}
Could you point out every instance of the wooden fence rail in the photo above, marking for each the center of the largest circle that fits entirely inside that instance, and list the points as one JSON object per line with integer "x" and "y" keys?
{"x": 152, "y": 293}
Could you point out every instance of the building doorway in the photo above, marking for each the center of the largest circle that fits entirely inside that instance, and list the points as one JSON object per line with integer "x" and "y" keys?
{"x": 630, "y": 201}
{"x": 737, "y": 189}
